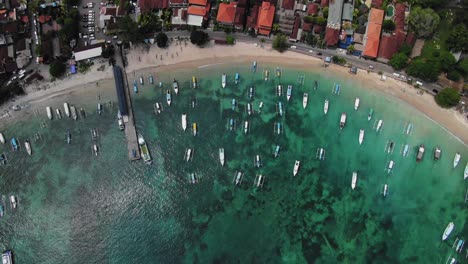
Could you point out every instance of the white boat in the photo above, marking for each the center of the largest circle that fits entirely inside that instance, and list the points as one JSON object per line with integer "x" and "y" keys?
{"x": 437, "y": 153}
{"x": 379, "y": 125}
{"x": 66, "y": 109}
{"x": 465, "y": 174}
{"x": 168, "y": 97}
{"x": 296, "y": 167}
{"x": 73, "y": 112}
{"x": 7, "y": 257}
{"x": 391, "y": 164}
{"x": 279, "y": 90}
{"x": 27, "y": 146}
{"x": 246, "y": 127}
{"x": 257, "y": 161}
{"x": 145, "y": 154}
{"x": 58, "y": 113}
{"x": 361, "y": 136}
{"x": 13, "y": 202}
{"x": 354, "y": 180}
{"x": 356, "y": 103}
{"x": 260, "y": 106}
{"x": 266, "y": 74}
{"x": 2, "y": 138}
{"x": 141, "y": 80}
{"x": 175, "y": 85}
{"x": 342, "y": 120}
{"x": 320, "y": 154}
{"x": 238, "y": 178}
{"x": 188, "y": 155}
{"x": 279, "y": 108}
{"x": 289, "y": 92}
{"x": 49, "y": 112}
{"x": 95, "y": 149}
{"x": 194, "y": 82}
{"x": 194, "y": 129}
{"x": 99, "y": 108}
{"x": 448, "y": 230}
{"x": 305, "y": 98}
{"x": 221, "y": 156}
{"x": 259, "y": 180}
{"x": 223, "y": 80}
{"x": 385, "y": 190}
{"x": 406, "y": 150}
{"x": 184, "y": 121}
{"x": 157, "y": 107}
{"x": 249, "y": 108}
{"x": 193, "y": 178}
{"x": 325, "y": 106}
{"x": 409, "y": 128}
{"x": 456, "y": 160}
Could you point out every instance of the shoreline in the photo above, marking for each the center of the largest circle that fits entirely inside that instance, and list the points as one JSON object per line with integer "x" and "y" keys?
{"x": 90, "y": 84}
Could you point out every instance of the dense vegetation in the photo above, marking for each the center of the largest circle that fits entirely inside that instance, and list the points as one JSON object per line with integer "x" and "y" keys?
{"x": 199, "y": 38}
{"x": 448, "y": 97}
{"x": 279, "y": 43}
{"x": 161, "y": 39}
{"x": 57, "y": 69}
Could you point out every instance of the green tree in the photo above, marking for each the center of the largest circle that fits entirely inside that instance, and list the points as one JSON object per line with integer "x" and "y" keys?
{"x": 57, "y": 69}
{"x": 425, "y": 69}
{"x": 448, "y": 97}
{"x": 458, "y": 38}
{"x": 230, "y": 39}
{"x": 423, "y": 21}
{"x": 321, "y": 21}
{"x": 338, "y": 60}
{"x": 161, "y": 39}
{"x": 275, "y": 28}
{"x": 149, "y": 22}
{"x": 310, "y": 39}
{"x": 388, "y": 25}
{"x": 429, "y": 3}
{"x": 399, "y": 61}
{"x": 107, "y": 51}
{"x": 453, "y": 75}
{"x": 279, "y": 43}
{"x": 325, "y": 12}
{"x": 309, "y": 19}
{"x": 462, "y": 67}
{"x": 199, "y": 38}
{"x": 447, "y": 61}
{"x": 406, "y": 49}
{"x": 129, "y": 29}
{"x": 351, "y": 48}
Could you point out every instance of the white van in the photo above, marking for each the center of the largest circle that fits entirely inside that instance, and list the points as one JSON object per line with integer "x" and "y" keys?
{"x": 419, "y": 83}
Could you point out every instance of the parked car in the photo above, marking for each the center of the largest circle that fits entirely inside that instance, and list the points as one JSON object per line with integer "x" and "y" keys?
{"x": 92, "y": 38}
{"x": 85, "y": 36}
{"x": 86, "y": 43}
{"x": 115, "y": 37}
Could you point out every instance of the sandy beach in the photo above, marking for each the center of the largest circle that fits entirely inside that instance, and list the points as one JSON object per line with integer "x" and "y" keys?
{"x": 181, "y": 55}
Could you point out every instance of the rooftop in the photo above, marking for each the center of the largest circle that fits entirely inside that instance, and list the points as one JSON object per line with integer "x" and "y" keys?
{"x": 374, "y": 28}
{"x": 196, "y": 10}
{"x": 288, "y": 4}
{"x": 148, "y": 5}
{"x": 198, "y": 2}
{"x": 312, "y": 9}
{"x": 266, "y": 14}
{"x": 226, "y": 13}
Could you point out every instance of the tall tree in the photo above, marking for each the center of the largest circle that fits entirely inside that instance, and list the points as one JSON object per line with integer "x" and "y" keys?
{"x": 161, "y": 39}
{"x": 458, "y": 38}
{"x": 423, "y": 21}
{"x": 57, "y": 69}
{"x": 199, "y": 38}
{"x": 279, "y": 43}
{"x": 448, "y": 97}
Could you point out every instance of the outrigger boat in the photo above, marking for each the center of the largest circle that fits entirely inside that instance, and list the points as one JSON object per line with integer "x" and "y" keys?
{"x": 448, "y": 230}
{"x": 320, "y": 154}
{"x": 258, "y": 161}
{"x": 66, "y": 108}
{"x": 276, "y": 151}
{"x": 221, "y": 156}
{"x": 2, "y": 138}
{"x": 251, "y": 92}
{"x": 259, "y": 180}
{"x": 27, "y": 146}
{"x": 14, "y": 144}
{"x": 391, "y": 164}
{"x": 297, "y": 163}
{"x": 278, "y": 72}
{"x": 184, "y": 121}
{"x": 437, "y": 153}
{"x": 390, "y": 146}
{"x": 315, "y": 85}
{"x": 13, "y": 202}
{"x": 246, "y": 127}
{"x": 135, "y": 86}
{"x": 266, "y": 75}
{"x": 459, "y": 246}
{"x": 356, "y": 103}
{"x": 254, "y": 66}
{"x": 379, "y": 125}
{"x": 223, "y": 80}
{"x": 305, "y": 98}
{"x": 231, "y": 124}
{"x": 150, "y": 79}
{"x": 145, "y": 154}
{"x": 279, "y": 108}
{"x": 385, "y": 190}
{"x": 406, "y": 150}
{"x": 49, "y": 112}
{"x": 94, "y": 133}
{"x": 249, "y": 108}
{"x": 99, "y": 108}
{"x": 157, "y": 107}
{"x": 1, "y": 210}
{"x": 188, "y": 155}
{"x": 175, "y": 86}
{"x": 325, "y": 106}
{"x": 371, "y": 113}
{"x": 193, "y": 179}
{"x": 278, "y": 128}
{"x": 279, "y": 90}
{"x": 237, "y": 78}
{"x": 465, "y": 174}
{"x": 354, "y": 180}
{"x": 168, "y": 97}
{"x": 361, "y": 136}
{"x": 68, "y": 137}
{"x": 233, "y": 104}
{"x": 260, "y": 107}
{"x": 194, "y": 82}
{"x": 420, "y": 154}
{"x": 238, "y": 177}
{"x": 95, "y": 149}
{"x": 337, "y": 88}
{"x": 194, "y": 129}
{"x": 74, "y": 114}
{"x": 456, "y": 159}
{"x": 409, "y": 128}
{"x": 58, "y": 113}
{"x": 289, "y": 92}
{"x": 343, "y": 120}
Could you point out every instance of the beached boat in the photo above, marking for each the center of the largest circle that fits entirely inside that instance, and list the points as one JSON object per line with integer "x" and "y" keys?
{"x": 221, "y": 156}
{"x": 379, "y": 125}
{"x": 7, "y": 257}
{"x": 95, "y": 149}
{"x": 246, "y": 127}
{"x": 2, "y": 138}
{"x": 279, "y": 90}
{"x": 259, "y": 180}
{"x": 14, "y": 144}
{"x": 289, "y": 92}
{"x": 258, "y": 161}
{"x": 354, "y": 180}
{"x": 251, "y": 93}
{"x": 280, "y": 109}
{"x": 145, "y": 154}
{"x": 390, "y": 166}
{"x": 184, "y": 121}
{"x": 66, "y": 109}
{"x": 361, "y": 136}
{"x": 254, "y": 66}
{"x": 188, "y": 155}
{"x": 142, "y": 82}
{"x": 175, "y": 86}
{"x": 120, "y": 121}
{"x": 297, "y": 163}
{"x": 420, "y": 154}
{"x": 168, "y": 97}
{"x": 448, "y": 230}
{"x": 371, "y": 113}
{"x": 305, "y": 98}
{"x": 68, "y": 137}
{"x": 223, "y": 80}
{"x": 73, "y": 112}
{"x": 325, "y": 106}
{"x": 27, "y": 146}
{"x": 356, "y": 103}
{"x": 150, "y": 79}
{"x": 320, "y": 154}
{"x": 194, "y": 129}
{"x": 238, "y": 178}
{"x": 465, "y": 174}
{"x": 194, "y": 82}
{"x": 99, "y": 108}
{"x": 260, "y": 107}
{"x": 13, "y": 202}
{"x": 135, "y": 86}
{"x": 342, "y": 120}
{"x": 49, "y": 112}
{"x": 249, "y": 108}
{"x": 237, "y": 78}
{"x": 406, "y": 150}
{"x": 437, "y": 153}
{"x": 456, "y": 159}
{"x": 58, "y": 113}
{"x": 266, "y": 75}
{"x": 385, "y": 190}
{"x": 278, "y": 72}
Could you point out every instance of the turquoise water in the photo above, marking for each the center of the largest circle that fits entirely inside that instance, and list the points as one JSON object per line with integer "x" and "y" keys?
{"x": 75, "y": 207}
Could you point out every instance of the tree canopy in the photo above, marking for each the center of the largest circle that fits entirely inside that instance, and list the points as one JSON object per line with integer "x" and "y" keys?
{"x": 107, "y": 51}
{"x": 448, "y": 97}
{"x": 148, "y": 23}
{"x": 458, "y": 38}
{"x": 279, "y": 43}
{"x": 425, "y": 69}
{"x": 230, "y": 39}
{"x": 199, "y": 38}
{"x": 388, "y": 25}
{"x": 57, "y": 69}
{"x": 429, "y": 3}
{"x": 423, "y": 21}
{"x": 129, "y": 29}
{"x": 399, "y": 61}
{"x": 161, "y": 39}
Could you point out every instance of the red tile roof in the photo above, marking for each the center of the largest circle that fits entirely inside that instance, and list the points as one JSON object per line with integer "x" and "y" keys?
{"x": 242, "y": 3}
{"x": 324, "y": 3}
{"x": 331, "y": 36}
{"x": 198, "y": 2}
{"x": 297, "y": 24}
{"x": 376, "y": 3}
{"x": 312, "y": 9}
{"x": 196, "y": 10}
{"x": 108, "y": 11}
{"x": 266, "y": 14}
{"x": 226, "y": 13}
{"x": 148, "y": 5}
{"x": 374, "y": 28}
{"x": 400, "y": 16}
{"x": 288, "y": 4}
{"x": 240, "y": 17}
{"x": 252, "y": 18}
{"x": 388, "y": 46}
{"x": 307, "y": 27}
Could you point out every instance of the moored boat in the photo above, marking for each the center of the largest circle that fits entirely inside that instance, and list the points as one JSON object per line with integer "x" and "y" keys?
{"x": 194, "y": 129}
{"x": 315, "y": 85}
{"x": 142, "y": 80}
{"x": 13, "y": 202}
{"x": 7, "y": 257}
{"x": 385, "y": 190}
{"x": 2, "y": 211}
{"x": 276, "y": 151}
{"x": 278, "y": 128}
{"x": 406, "y": 150}
{"x": 448, "y": 230}
{"x": 145, "y": 154}
{"x": 409, "y": 128}
{"x": 68, "y": 137}
{"x": 82, "y": 112}
{"x": 254, "y": 66}
{"x": 2, "y": 138}
{"x": 354, "y": 180}
{"x": 391, "y": 164}
{"x": 73, "y": 112}
{"x": 168, "y": 97}
{"x": 184, "y": 121}
{"x": 465, "y": 174}
{"x": 246, "y": 127}
{"x": 27, "y": 146}
{"x": 193, "y": 178}
{"x": 280, "y": 108}
{"x": 251, "y": 92}
{"x": 221, "y": 156}
{"x": 305, "y": 99}
{"x": 456, "y": 159}
{"x": 371, "y": 113}
{"x": 437, "y": 153}
{"x": 279, "y": 90}
{"x": 233, "y": 104}
{"x": 49, "y": 112}
{"x": 420, "y": 154}
{"x": 223, "y": 80}
{"x": 194, "y": 82}
{"x": 361, "y": 136}
{"x": 150, "y": 79}
{"x": 231, "y": 124}
{"x": 260, "y": 107}
{"x": 325, "y": 106}
{"x": 342, "y": 120}
{"x": 266, "y": 75}
{"x": 356, "y": 103}
{"x": 238, "y": 177}
{"x": 337, "y": 88}
{"x": 135, "y": 86}
{"x": 237, "y": 79}
{"x": 120, "y": 121}
{"x": 278, "y": 72}
{"x": 14, "y": 144}
{"x": 99, "y": 108}
{"x": 175, "y": 86}
{"x": 3, "y": 158}
{"x": 95, "y": 149}
{"x": 297, "y": 163}
{"x": 320, "y": 154}
{"x": 188, "y": 154}
{"x": 58, "y": 113}
{"x": 259, "y": 180}
{"x": 379, "y": 125}
{"x": 258, "y": 161}
{"x": 289, "y": 92}
{"x": 249, "y": 108}
{"x": 66, "y": 108}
